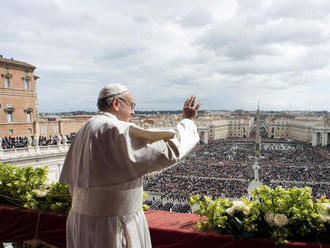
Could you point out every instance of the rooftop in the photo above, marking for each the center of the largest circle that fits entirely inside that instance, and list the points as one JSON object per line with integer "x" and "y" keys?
{"x": 15, "y": 63}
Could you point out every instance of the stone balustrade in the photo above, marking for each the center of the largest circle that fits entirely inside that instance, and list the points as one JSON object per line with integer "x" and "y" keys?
{"x": 31, "y": 151}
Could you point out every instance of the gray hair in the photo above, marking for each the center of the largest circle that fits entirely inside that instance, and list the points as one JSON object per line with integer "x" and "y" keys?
{"x": 105, "y": 103}
{"x": 108, "y": 94}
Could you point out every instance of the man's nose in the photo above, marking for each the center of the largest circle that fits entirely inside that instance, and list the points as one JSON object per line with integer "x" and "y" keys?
{"x": 132, "y": 112}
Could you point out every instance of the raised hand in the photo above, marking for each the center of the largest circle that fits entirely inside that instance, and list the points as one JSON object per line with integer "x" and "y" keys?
{"x": 189, "y": 108}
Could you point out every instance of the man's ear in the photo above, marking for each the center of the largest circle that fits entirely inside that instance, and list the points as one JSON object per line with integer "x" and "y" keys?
{"x": 115, "y": 104}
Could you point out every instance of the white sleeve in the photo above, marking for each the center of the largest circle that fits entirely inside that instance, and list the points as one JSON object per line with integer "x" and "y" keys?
{"x": 186, "y": 137}
{"x": 147, "y": 155}
{"x": 109, "y": 153}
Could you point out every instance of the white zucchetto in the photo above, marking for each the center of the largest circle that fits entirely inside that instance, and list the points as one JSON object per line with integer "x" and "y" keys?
{"x": 112, "y": 90}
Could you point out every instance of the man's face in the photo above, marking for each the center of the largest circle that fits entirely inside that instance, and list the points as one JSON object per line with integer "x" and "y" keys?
{"x": 126, "y": 106}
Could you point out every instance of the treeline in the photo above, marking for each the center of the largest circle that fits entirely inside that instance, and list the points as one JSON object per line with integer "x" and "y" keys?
{"x": 138, "y": 112}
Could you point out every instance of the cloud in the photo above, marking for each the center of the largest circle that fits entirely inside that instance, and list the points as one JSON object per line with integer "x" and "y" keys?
{"x": 300, "y": 9}
{"x": 196, "y": 18}
{"x": 228, "y": 53}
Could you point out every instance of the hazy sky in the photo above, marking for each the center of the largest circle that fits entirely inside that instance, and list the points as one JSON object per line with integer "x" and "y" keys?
{"x": 229, "y": 53}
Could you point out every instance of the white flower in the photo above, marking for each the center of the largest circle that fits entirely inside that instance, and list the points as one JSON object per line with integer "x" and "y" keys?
{"x": 280, "y": 220}
{"x": 238, "y": 206}
{"x": 246, "y": 210}
{"x": 48, "y": 183}
{"x": 269, "y": 218}
{"x": 324, "y": 212}
{"x": 323, "y": 218}
{"x": 40, "y": 193}
{"x": 195, "y": 207}
{"x": 230, "y": 210}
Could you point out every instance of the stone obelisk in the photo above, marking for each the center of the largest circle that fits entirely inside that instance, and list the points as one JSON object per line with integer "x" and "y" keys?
{"x": 255, "y": 183}
{"x": 258, "y": 138}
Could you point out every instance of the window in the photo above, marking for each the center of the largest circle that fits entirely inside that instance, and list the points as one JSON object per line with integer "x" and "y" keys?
{"x": 30, "y": 131}
{"x": 26, "y": 84}
{"x": 11, "y": 131}
{"x": 9, "y": 116}
{"x": 7, "y": 82}
{"x": 55, "y": 128}
{"x": 28, "y": 116}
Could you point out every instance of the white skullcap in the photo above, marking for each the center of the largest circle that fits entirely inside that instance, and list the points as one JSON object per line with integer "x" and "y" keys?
{"x": 112, "y": 90}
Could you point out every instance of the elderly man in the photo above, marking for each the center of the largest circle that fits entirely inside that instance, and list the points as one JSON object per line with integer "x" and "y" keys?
{"x": 104, "y": 169}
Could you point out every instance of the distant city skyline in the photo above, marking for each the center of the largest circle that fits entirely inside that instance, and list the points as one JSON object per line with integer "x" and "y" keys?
{"x": 207, "y": 111}
{"x": 230, "y": 54}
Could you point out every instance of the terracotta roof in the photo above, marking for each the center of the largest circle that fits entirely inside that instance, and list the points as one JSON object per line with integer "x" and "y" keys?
{"x": 15, "y": 63}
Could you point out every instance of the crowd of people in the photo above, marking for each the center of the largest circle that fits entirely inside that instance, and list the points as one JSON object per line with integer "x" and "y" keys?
{"x": 22, "y": 142}
{"x": 224, "y": 169}
{"x": 13, "y": 142}
{"x": 169, "y": 206}
{"x": 294, "y": 154}
{"x": 180, "y": 188}
{"x": 313, "y": 173}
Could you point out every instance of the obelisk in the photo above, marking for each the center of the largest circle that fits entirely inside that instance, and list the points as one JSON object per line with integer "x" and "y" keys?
{"x": 255, "y": 183}
{"x": 258, "y": 138}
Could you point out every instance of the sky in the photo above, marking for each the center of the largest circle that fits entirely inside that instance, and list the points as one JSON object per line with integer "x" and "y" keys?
{"x": 229, "y": 53}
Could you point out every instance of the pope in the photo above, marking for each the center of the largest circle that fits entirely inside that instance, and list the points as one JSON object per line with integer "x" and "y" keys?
{"x": 105, "y": 165}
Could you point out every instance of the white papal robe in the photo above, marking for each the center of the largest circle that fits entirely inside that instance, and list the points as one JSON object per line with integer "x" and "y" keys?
{"x": 104, "y": 169}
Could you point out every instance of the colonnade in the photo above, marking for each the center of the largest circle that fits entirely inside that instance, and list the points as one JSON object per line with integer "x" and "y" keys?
{"x": 321, "y": 137}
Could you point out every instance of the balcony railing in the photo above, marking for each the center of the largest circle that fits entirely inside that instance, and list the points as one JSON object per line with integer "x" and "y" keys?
{"x": 31, "y": 151}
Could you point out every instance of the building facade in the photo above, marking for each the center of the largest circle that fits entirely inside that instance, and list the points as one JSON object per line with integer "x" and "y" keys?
{"x": 18, "y": 98}
{"x": 61, "y": 126}
{"x": 240, "y": 127}
{"x": 313, "y": 131}
{"x": 237, "y": 127}
{"x": 277, "y": 128}
{"x": 19, "y": 105}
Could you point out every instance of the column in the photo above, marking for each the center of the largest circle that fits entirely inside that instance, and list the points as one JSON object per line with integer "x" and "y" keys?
{"x": 60, "y": 127}
{"x": 314, "y": 139}
{"x": 2, "y": 154}
{"x": 205, "y": 137}
{"x": 318, "y": 138}
{"x": 324, "y": 138}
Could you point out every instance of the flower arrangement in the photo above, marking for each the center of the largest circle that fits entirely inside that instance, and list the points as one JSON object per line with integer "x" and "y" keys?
{"x": 30, "y": 188}
{"x": 281, "y": 214}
